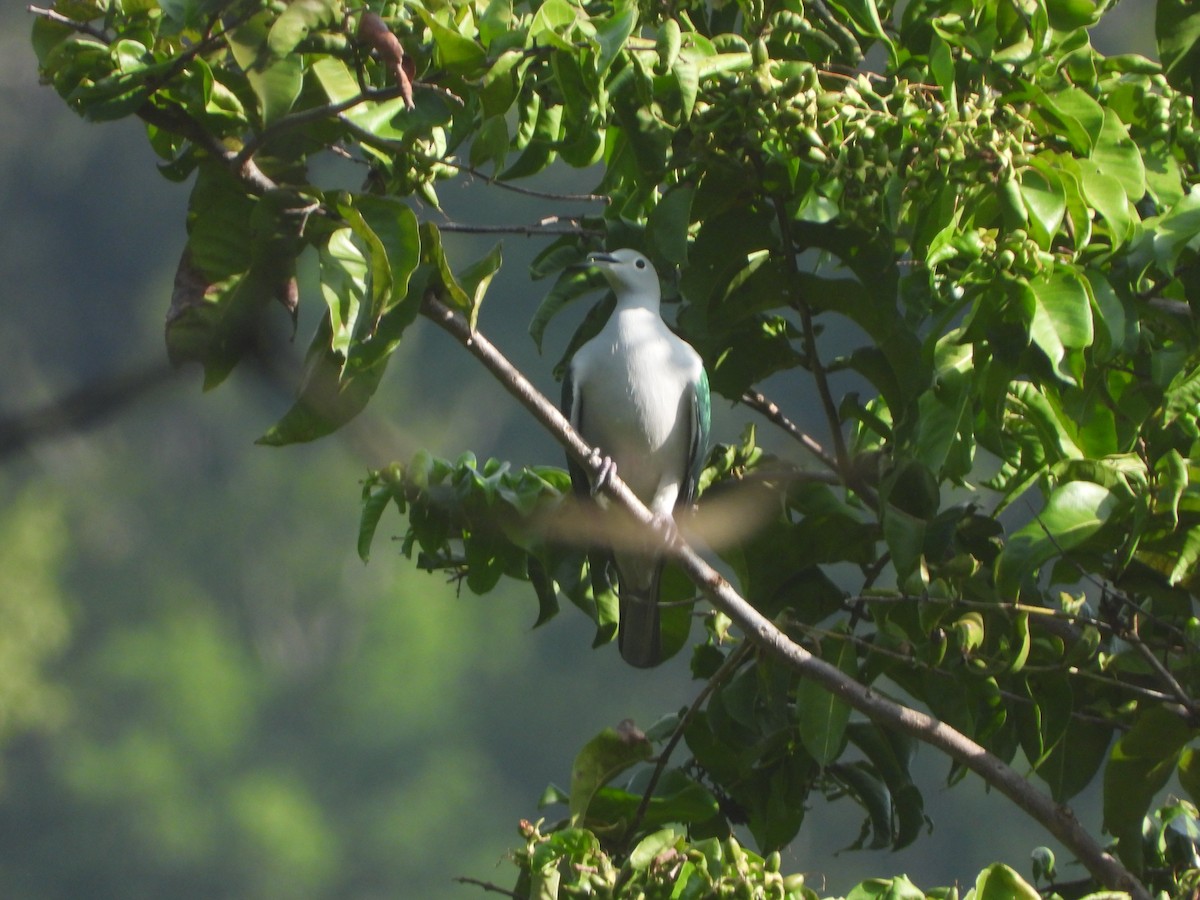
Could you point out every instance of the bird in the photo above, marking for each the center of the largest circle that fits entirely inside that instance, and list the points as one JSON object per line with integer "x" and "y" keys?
{"x": 638, "y": 394}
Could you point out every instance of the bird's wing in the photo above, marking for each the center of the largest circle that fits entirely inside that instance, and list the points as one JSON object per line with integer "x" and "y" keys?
{"x": 572, "y": 408}
{"x": 700, "y": 402}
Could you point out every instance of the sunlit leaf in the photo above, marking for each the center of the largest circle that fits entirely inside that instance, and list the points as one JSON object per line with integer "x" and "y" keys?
{"x": 1000, "y": 882}
{"x": 298, "y": 19}
{"x": 1073, "y": 513}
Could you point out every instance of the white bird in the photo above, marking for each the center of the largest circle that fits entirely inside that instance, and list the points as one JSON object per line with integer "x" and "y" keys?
{"x": 639, "y": 394}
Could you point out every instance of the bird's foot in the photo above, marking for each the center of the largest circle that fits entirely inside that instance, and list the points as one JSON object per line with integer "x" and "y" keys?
{"x": 607, "y": 468}
{"x": 664, "y": 525}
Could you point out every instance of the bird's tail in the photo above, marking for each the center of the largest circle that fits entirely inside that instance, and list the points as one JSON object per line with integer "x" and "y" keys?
{"x": 639, "y": 635}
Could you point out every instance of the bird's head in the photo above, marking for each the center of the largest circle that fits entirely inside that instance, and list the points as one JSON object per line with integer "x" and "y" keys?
{"x": 628, "y": 271}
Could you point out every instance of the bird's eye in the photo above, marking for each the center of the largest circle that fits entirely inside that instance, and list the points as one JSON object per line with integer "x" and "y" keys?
{"x": 641, "y": 263}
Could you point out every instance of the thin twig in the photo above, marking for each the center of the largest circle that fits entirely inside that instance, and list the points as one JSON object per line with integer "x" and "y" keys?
{"x": 718, "y": 678}
{"x": 1057, "y": 819}
{"x": 81, "y": 27}
{"x": 516, "y": 188}
{"x": 1165, "y": 675}
{"x": 760, "y": 403}
{"x": 546, "y": 226}
{"x": 811, "y": 351}
{"x": 487, "y": 886}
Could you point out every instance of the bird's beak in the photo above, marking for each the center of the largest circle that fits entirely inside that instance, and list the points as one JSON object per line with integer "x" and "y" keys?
{"x": 593, "y": 260}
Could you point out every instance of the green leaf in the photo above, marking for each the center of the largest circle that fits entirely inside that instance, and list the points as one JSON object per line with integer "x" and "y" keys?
{"x": 601, "y": 760}
{"x": 226, "y": 275}
{"x": 1073, "y": 762}
{"x": 375, "y": 500}
{"x": 649, "y": 848}
{"x": 897, "y": 888}
{"x": 553, "y": 24}
{"x": 1078, "y": 112}
{"x": 277, "y": 85}
{"x": 823, "y": 716}
{"x": 1140, "y": 764}
{"x": 1108, "y": 196}
{"x": 1118, "y": 156}
{"x": 490, "y": 144}
{"x": 454, "y": 50}
{"x": 1000, "y": 882}
{"x": 1060, "y": 316}
{"x": 328, "y": 397}
{"x": 1182, "y": 396}
{"x": 296, "y": 22}
{"x": 676, "y": 799}
{"x": 865, "y": 787}
{"x": 613, "y": 32}
{"x": 190, "y": 13}
{"x": 1073, "y": 513}
{"x": 1177, "y": 30}
{"x": 335, "y": 78}
{"x": 864, "y": 15}
{"x": 668, "y": 224}
{"x": 541, "y": 149}
{"x": 1045, "y": 201}
{"x": 344, "y": 287}
{"x": 1189, "y": 773}
{"x": 475, "y": 279}
{"x": 1068, "y": 15}
{"x": 433, "y": 255}
{"x": 395, "y": 227}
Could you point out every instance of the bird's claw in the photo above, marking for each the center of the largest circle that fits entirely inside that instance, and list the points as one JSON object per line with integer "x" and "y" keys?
{"x": 663, "y": 523}
{"x": 607, "y": 467}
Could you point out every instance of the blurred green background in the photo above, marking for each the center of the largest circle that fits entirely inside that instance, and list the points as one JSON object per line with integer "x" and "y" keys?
{"x": 203, "y": 691}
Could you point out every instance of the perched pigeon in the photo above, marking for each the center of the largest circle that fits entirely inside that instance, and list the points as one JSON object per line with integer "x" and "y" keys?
{"x": 639, "y": 394}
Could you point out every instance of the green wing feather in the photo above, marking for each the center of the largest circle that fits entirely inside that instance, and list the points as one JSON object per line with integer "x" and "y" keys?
{"x": 701, "y": 427}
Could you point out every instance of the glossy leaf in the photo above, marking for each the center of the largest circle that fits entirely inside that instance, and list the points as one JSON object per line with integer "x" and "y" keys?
{"x": 1001, "y": 882}
{"x": 1073, "y": 513}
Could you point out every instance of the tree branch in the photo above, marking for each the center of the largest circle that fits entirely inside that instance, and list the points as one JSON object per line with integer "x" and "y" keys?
{"x": 815, "y": 366}
{"x": 1057, "y": 819}
{"x": 81, "y": 408}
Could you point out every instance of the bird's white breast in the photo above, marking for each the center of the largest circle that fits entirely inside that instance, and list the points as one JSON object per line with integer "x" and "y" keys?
{"x": 635, "y": 380}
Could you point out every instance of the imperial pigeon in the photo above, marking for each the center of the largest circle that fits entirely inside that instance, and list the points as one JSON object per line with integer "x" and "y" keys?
{"x": 639, "y": 394}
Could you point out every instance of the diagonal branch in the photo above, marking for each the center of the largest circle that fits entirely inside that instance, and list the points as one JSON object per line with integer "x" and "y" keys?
{"x": 762, "y": 404}
{"x": 1057, "y": 819}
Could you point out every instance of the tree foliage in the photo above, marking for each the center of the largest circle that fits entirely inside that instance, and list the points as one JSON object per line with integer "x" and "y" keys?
{"x": 1003, "y": 527}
